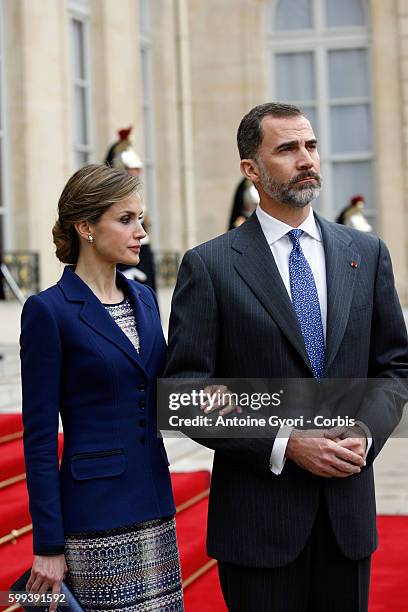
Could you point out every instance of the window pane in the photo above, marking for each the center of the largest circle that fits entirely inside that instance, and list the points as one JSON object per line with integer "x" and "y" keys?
{"x": 350, "y": 178}
{"x": 295, "y": 77}
{"x": 350, "y": 129}
{"x": 80, "y": 127}
{"x": 78, "y": 51}
{"x": 345, "y": 13}
{"x": 294, "y": 14}
{"x": 311, "y": 114}
{"x": 348, "y": 73}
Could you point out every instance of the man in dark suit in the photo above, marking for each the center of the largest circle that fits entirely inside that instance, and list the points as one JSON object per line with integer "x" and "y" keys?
{"x": 290, "y": 295}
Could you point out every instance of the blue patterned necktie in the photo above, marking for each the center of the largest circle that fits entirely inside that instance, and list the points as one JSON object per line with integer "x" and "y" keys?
{"x": 305, "y": 301}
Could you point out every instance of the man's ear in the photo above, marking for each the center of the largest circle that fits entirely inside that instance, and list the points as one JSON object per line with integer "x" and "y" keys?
{"x": 249, "y": 168}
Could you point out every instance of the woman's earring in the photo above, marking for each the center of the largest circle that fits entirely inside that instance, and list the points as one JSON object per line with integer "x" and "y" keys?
{"x": 90, "y": 239}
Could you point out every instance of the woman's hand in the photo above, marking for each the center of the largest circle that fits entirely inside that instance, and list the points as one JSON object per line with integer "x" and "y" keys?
{"x": 47, "y": 573}
{"x": 222, "y": 400}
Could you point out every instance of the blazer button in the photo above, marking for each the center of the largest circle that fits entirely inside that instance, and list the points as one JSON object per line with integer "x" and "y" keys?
{"x": 141, "y": 387}
{"x": 142, "y": 403}
{"x": 142, "y": 422}
{"x": 143, "y": 439}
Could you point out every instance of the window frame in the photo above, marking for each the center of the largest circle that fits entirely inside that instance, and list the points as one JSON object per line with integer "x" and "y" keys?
{"x": 147, "y": 107}
{"x": 320, "y": 40}
{"x": 79, "y": 10}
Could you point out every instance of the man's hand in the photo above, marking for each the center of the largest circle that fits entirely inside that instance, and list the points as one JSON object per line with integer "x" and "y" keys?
{"x": 313, "y": 451}
{"x": 225, "y": 405}
{"x": 353, "y": 438}
{"x": 47, "y": 573}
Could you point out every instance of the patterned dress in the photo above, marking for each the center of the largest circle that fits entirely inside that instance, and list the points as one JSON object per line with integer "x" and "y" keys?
{"x": 135, "y": 568}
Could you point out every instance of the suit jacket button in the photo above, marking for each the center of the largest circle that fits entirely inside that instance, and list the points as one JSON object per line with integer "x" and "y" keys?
{"x": 142, "y": 422}
{"x": 142, "y": 403}
{"x": 143, "y": 439}
{"x": 141, "y": 387}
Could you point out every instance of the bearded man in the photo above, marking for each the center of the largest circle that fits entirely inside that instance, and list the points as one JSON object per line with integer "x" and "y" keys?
{"x": 290, "y": 295}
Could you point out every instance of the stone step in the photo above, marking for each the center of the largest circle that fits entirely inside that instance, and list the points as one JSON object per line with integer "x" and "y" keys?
{"x": 10, "y": 313}
{"x": 186, "y": 455}
{"x": 10, "y": 394}
{"x": 196, "y": 460}
{"x": 10, "y": 382}
{"x": 9, "y": 361}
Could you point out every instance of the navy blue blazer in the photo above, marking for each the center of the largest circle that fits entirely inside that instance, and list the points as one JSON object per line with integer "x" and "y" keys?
{"x": 77, "y": 362}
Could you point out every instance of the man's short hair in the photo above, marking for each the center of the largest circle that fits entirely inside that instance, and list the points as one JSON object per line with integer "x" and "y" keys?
{"x": 250, "y": 133}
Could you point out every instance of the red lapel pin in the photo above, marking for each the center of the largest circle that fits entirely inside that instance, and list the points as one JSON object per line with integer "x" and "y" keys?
{"x": 353, "y": 264}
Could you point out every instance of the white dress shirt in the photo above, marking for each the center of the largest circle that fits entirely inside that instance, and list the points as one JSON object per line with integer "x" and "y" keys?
{"x": 312, "y": 246}
{"x": 281, "y": 245}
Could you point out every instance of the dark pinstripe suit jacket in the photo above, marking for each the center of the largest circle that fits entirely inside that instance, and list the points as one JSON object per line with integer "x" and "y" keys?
{"x": 232, "y": 317}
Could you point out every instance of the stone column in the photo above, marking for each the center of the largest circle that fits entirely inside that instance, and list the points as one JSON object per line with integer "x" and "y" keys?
{"x": 390, "y": 87}
{"x": 228, "y": 78}
{"x": 37, "y": 107}
{"x": 115, "y": 73}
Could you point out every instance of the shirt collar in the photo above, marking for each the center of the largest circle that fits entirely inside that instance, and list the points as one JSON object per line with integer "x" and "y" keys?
{"x": 274, "y": 229}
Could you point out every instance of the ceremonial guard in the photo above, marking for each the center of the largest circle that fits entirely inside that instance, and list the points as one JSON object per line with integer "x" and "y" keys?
{"x": 353, "y": 215}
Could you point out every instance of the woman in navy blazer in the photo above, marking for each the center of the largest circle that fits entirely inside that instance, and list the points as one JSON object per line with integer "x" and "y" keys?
{"x": 92, "y": 348}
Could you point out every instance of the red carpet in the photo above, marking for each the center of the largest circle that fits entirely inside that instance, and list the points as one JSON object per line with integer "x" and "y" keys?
{"x": 14, "y": 508}
{"x": 188, "y": 485}
{"x": 205, "y": 595}
{"x": 191, "y": 533}
{"x": 14, "y": 560}
{"x": 10, "y": 424}
{"x": 389, "y": 576}
{"x": 11, "y": 459}
{"x": 389, "y": 584}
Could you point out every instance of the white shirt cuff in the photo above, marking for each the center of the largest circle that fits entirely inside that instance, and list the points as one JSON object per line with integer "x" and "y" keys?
{"x": 277, "y": 460}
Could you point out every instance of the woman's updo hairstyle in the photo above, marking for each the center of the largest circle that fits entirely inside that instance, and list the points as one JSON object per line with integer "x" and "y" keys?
{"x": 87, "y": 195}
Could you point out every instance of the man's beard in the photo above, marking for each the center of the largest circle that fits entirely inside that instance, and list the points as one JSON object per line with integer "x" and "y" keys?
{"x": 291, "y": 193}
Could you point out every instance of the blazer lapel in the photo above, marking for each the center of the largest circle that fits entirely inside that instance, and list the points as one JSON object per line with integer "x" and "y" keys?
{"x": 342, "y": 268}
{"x": 144, "y": 319}
{"x": 95, "y": 315}
{"x": 254, "y": 262}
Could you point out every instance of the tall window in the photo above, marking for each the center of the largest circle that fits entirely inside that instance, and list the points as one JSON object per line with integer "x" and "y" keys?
{"x": 320, "y": 60}
{"x": 5, "y": 237}
{"x": 83, "y": 149}
{"x": 149, "y": 179}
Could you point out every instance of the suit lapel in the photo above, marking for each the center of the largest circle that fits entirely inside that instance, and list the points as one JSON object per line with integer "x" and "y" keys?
{"x": 256, "y": 265}
{"x": 95, "y": 316}
{"x": 342, "y": 269}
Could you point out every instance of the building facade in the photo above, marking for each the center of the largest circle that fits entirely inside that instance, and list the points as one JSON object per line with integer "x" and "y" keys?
{"x": 183, "y": 73}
